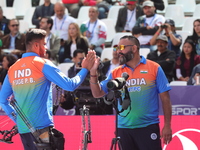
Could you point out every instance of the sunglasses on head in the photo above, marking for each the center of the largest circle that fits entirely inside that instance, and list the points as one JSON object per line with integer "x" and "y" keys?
{"x": 15, "y": 25}
{"x": 120, "y": 47}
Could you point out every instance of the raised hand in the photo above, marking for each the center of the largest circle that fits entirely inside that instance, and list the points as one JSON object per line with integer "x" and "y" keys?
{"x": 89, "y": 60}
{"x": 94, "y": 68}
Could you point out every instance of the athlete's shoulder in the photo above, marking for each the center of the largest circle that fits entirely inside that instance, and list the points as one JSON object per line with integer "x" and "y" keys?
{"x": 153, "y": 63}
{"x": 37, "y": 59}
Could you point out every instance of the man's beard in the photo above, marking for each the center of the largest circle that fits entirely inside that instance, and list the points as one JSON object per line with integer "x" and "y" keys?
{"x": 125, "y": 57}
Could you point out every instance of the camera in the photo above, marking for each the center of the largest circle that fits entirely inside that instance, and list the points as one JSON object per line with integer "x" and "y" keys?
{"x": 118, "y": 83}
{"x": 163, "y": 26}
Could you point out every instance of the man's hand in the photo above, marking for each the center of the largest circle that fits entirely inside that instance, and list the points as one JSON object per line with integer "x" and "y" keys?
{"x": 89, "y": 60}
{"x": 168, "y": 29}
{"x": 166, "y": 134}
{"x": 93, "y": 70}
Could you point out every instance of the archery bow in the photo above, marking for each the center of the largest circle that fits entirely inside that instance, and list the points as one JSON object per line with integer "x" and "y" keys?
{"x": 8, "y": 134}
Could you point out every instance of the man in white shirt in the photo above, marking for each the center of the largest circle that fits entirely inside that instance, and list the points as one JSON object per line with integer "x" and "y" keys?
{"x": 61, "y": 21}
{"x": 95, "y": 30}
{"x": 147, "y": 25}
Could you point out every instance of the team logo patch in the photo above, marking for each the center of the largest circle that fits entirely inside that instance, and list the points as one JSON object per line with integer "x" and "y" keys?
{"x": 143, "y": 71}
{"x": 154, "y": 136}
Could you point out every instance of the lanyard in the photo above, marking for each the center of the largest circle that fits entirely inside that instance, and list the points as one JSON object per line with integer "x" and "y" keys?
{"x": 150, "y": 21}
{"x": 91, "y": 35}
{"x": 61, "y": 24}
{"x": 3, "y": 27}
{"x": 48, "y": 38}
{"x": 129, "y": 20}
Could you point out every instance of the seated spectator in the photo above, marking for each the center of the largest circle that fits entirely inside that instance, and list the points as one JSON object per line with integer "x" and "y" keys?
{"x": 164, "y": 57}
{"x": 127, "y": 16}
{"x": 83, "y": 94}
{"x": 174, "y": 39}
{"x": 159, "y": 4}
{"x": 73, "y": 6}
{"x": 194, "y": 80}
{"x": 47, "y": 9}
{"x": 4, "y": 30}
{"x": 52, "y": 41}
{"x": 95, "y": 31}
{"x": 103, "y": 7}
{"x": 75, "y": 41}
{"x": 147, "y": 25}
{"x": 61, "y": 21}
{"x": 186, "y": 62}
{"x": 14, "y": 40}
{"x": 195, "y": 37}
{"x": 109, "y": 65}
{"x": 8, "y": 60}
{"x": 77, "y": 57}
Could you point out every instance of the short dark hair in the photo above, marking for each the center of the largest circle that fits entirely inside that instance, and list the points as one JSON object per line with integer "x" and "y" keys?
{"x": 49, "y": 21}
{"x": 133, "y": 39}
{"x": 77, "y": 51}
{"x": 34, "y": 34}
{"x": 12, "y": 20}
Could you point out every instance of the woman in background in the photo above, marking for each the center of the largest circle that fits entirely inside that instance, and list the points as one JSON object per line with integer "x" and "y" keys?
{"x": 195, "y": 37}
{"x": 75, "y": 41}
{"x": 187, "y": 61}
{"x": 8, "y": 60}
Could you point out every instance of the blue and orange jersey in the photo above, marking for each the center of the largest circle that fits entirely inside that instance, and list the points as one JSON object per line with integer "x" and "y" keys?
{"x": 29, "y": 79}
{"x": 144, "y": 84}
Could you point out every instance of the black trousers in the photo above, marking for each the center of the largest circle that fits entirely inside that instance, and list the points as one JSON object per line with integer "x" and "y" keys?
{"x": 147, "y": 138}
{"x": 28, "y": 141}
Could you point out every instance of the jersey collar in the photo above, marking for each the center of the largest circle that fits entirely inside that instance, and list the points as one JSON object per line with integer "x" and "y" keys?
{"x": 29, "y": 54}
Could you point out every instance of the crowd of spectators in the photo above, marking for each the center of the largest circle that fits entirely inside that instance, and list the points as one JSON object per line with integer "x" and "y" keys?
{"x": 139, "y": 17}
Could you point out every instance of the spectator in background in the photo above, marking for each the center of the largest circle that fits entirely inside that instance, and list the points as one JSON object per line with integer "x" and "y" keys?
{"x": 73, "y": 6}
{"x": 15, "y": 40}
{"x": 75, "y": 41}
{"x": 127, "y": 16}
{"x": 159, "y": 4}
{"x": 103, "y": 7}
{"x": 4, "y": 30}
{"x": 195, "y": 76}
{"x": 83, "y": 93}
{"x": 195, "y": 37}
{"x": 8, "y": 60}
{"x": 61, "y": 21}
{"x": 147, "y": 25}
{"x": 187, "y": 61}
{"x": 174, "y": 39}
{"x": 47, "y": 9}
{"x": 110, "y": 65}
{"x": 52, "y": 41}
{"x": 164, "y": 57}
{"x": 95, "y": 30}
{"x": 77, "y": 57}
